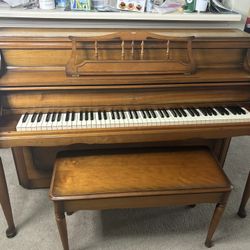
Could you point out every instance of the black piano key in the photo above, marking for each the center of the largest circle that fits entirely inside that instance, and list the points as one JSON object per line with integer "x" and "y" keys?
{"x": 113, "y": 115}
{"x": 39, "y": 118}
{"x": 91, "y": 115}
{"x": 241, "y": 110}
{"x": 191, "y": 112}
{"x": 203, "y": 111}
{"x": 173, "y": 112}
{"x": 130, "y": 114}
{"x": 209, "y": 112}
{"x": 195, "y": 111}
{"x": 233, "y": 110}
{"x": 123, "y": 114}
{"x": 67, "y": 116}
{"x": 81, "y": 116}
{"x": 166, "y": 113}
{"x": 135, "y": 114}
{"x": 59, "y": 116}
{"x": 237, "y": 109}
{"x": 33, "y": 118}
{"x": 25, "y": 117}
{"x": 53, "y": 116}
{"x": 219, "y": 110}
{"x": 86, "y": 116}
{"x": 183, "y": 112}
{"x": 160, "y": 113}
{"x": 213, "y": 111}
{"x": 117, "y": 115}
{"x": 73, "y": 115}
{"x": 225, "y": 111}
{"x": 143, "y": 114}
{"x": 105, "y": 115}
{"x": 48, "y": 117}
{"x": 178, "y": 112}
{"x": 153, "y": 113}
{"x": 99, "y": 115}
{"x": 148, "y": 114}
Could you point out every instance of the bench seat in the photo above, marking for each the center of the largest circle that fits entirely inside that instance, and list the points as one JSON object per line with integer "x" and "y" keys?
{"x": 136, "y": 178}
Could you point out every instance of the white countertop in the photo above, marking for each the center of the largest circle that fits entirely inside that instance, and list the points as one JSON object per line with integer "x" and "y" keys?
{"x": 59, "y": 13}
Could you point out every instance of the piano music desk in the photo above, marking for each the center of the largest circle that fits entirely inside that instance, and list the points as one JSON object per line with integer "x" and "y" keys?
{"x": 136, "y": 179}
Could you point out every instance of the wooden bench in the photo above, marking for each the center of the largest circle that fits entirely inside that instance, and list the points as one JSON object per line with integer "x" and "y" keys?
{"x": 138, "y": 178}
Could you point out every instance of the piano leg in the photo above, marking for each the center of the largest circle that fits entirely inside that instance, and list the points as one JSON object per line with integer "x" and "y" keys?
{"x": 242, "y": 211}
{"x": 5, "y": 203}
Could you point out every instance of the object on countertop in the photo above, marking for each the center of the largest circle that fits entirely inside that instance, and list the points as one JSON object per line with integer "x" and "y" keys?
{"x": 168, "y": 6}
{"x": 201, "y": 5}
{"x": 61, "y": 3}
{"x": 131, "y": 5}
{"x": 79, "y": 5}
{"x": 47, "y": 4}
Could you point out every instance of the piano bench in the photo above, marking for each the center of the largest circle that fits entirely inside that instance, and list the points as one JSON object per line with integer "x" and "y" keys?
{"x": 136, "y": 179}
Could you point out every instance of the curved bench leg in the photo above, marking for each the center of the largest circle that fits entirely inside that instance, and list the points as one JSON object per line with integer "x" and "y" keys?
{"x": 61, "y": 224}
{"x": 219, "y": 209}
{"x": 5, "y": 203}
{"x": 242, "y": 212}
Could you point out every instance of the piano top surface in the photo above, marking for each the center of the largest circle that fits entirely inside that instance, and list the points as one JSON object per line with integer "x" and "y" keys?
{"x": 14, "y": 33}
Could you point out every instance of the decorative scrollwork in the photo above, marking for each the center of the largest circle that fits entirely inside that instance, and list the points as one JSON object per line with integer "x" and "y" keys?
{"x": 135, "y": 59}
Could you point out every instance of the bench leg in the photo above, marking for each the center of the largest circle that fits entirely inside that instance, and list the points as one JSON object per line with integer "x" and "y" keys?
{"x": 5, "y": 203}
{"x": 61, "y": 224}
{"x": 242, "y": 212}
{"x": 219, "y": 209}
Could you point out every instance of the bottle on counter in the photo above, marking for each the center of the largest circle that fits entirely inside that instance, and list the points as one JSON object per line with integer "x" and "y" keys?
{"x": 47, "y": 4}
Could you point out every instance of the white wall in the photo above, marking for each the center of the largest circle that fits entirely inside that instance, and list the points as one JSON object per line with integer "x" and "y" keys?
{"x": 243, "y": 6}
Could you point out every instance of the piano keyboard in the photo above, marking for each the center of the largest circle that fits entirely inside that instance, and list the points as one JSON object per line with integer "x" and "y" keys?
{"x": 132, "y": 118}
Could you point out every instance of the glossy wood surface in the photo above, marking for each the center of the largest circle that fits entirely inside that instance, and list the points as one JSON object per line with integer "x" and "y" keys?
{"x": 33, "y": 78}
{"x": 133, "y": 58}
{"x": 106, "y": 175}
{"x": 142, "y": 178}
{"x": 34, "y": 165}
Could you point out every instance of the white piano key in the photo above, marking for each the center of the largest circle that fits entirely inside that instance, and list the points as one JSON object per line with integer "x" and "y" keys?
{"x": 129, "y": 122}
{"x": 27, "y": 124}
{"x": 19, "y": 126}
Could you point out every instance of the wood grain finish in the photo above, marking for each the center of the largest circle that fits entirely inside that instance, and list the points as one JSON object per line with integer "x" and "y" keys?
{"x": 137, "y": 178}
{"x": 35, "y": 164}
{"x": 5, "y": 204}
{"x": 129, "y": 62}
{"x": 106, "y": 175}
{"x": 33, "y": 79}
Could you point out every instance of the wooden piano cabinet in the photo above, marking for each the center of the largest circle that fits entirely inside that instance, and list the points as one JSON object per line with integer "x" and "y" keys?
{"x": 34, "y": 165}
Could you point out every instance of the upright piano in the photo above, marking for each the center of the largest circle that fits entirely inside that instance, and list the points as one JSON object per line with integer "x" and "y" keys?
{"x": 101, "y": 88}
